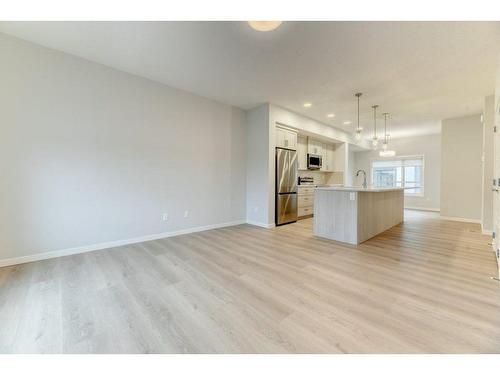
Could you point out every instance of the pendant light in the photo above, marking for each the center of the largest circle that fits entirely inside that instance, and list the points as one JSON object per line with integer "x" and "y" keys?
{"x": 359, "y": 129}
{"x": 385, "y": 151}
{"x": 386, "y": 140}
{"x": 375, "y": 138}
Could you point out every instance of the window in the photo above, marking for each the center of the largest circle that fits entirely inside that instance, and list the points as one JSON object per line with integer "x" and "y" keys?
{"x": 407, "y": 172}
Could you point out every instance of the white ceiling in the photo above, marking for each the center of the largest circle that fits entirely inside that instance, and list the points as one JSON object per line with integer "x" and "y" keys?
{"x": 421, "y": 72}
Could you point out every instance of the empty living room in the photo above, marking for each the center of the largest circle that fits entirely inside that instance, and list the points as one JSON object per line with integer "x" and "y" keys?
{"x": 221, "y": 187}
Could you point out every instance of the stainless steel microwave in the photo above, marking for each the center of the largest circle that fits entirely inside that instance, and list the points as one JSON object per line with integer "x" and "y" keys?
{"x": 314, "y": 161}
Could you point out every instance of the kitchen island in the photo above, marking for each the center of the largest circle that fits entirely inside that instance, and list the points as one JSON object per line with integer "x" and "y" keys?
{"x": 355, "y": 214}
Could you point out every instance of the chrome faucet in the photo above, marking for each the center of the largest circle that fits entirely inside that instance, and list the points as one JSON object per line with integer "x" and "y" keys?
{"x": 364, "y": 177}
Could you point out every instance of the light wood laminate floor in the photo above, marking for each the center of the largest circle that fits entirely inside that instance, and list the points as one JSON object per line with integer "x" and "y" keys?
{"x": 423, "y": 286}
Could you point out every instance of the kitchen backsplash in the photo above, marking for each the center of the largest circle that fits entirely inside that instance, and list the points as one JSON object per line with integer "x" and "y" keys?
{"x": 322, "y": 178}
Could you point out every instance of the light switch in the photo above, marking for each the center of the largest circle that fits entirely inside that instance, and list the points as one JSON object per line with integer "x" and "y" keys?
{"x": 352, "y": 196}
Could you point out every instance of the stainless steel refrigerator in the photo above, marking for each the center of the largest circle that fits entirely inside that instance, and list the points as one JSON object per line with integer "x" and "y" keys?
{"x": 286, "y": 186}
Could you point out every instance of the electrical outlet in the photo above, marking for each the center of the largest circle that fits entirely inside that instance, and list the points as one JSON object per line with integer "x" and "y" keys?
{"x": 186, "y": 213}
{"x": 164, "y": 217}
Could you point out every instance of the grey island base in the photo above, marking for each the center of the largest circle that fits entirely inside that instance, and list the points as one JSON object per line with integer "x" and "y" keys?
{"x": 354, "y": 215}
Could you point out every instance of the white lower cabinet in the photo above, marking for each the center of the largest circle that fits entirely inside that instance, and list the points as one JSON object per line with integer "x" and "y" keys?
{"x": 305, "y": 211}
{"x": 303, "y": 190}
{"x": 305, "y": 201}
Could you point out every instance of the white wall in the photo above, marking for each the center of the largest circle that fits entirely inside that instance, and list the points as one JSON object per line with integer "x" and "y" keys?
{"x": 427, "y": 145}
{"x": 89, "y": 154}
{"x": 461, "y": 178}
{"x": 258, "y": 208}
{"x": 487, "y": 199}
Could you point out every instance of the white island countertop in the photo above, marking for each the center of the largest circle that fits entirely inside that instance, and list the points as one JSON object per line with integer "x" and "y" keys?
{"x": 369, "y": 189}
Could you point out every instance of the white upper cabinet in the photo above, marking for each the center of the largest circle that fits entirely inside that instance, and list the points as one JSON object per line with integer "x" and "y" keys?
{"x": 280, "y": 137}
{"x": 302, "y": 152}
{"x": 333, "y": 154}
{"x": 324, "y": 163}
{"x": 291, "y": 140}
{"x": 286, "y": 138}
{"x": 314, "y": 147}
{"x": 328, "y": 158}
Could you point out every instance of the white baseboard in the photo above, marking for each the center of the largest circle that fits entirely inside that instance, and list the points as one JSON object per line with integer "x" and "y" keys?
{"x": 461, "y": 219}
{"x": 262, "y": 225}
{"x": 433, "y": 209}
{"x": 111, "y": 244}
{"x": 488, "y": 232}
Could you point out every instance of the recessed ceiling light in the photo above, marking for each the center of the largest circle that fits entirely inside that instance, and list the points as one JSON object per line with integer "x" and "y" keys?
{"x": 307, "y": 105}
{"x": 330, "y": 115}
{"x": 347, "y": 123}
{"x": 264, "y": 25}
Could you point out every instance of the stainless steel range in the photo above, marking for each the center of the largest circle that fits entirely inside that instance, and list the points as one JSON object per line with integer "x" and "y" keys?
{"x": 306, "y": 180}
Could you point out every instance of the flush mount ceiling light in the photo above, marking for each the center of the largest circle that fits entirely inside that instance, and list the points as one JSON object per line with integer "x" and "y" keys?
{"x": 375, "y": 138}
{"x": 359, "y": 129}
{"x": 330, "y": 115}
{"x": 307, "y": 105}
{"x": 347, "y": 123}
{"x": 264, "y": 25}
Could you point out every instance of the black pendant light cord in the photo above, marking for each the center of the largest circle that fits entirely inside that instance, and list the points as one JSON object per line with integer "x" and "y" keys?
{"x": 375, "y": 121}
{"x": 358, "y": 95}
{"x": 385, "y": 127}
